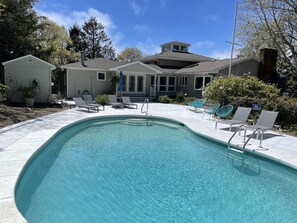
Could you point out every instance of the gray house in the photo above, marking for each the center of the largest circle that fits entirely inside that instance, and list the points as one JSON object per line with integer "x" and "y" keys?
{"x": 23, "y": 71}
{"x": 173, "y": 70}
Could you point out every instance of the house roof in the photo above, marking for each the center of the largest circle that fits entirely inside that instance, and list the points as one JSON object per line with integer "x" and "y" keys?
{"x": 163, "y": 70}
{"x": 29, "y": 56}
{"x": 181, "y": 56}
{"x": 97, "y": 63}
{"x": 153, "y": 69}
{"x": 213, "y": 66}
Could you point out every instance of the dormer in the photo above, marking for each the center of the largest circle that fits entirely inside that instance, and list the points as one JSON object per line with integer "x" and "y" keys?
{"x": 175, "y": 46}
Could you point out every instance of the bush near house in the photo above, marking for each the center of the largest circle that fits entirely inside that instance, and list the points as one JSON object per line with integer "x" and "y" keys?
{"x": 2, "y": 92}
{"x": 245, "y": 86}
{"x": 164, "y": 99}
{"x": 101, "y": 99}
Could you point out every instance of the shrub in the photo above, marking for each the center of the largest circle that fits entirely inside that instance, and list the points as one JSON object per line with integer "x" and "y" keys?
{"x": 188, "y": 99}
{"x": 2, "y": 92}
{"x": 101, "y": 99}
{"x": 245, "y": 86}
{"x": 164, "y": 99}
{"x": 180, "y": 97}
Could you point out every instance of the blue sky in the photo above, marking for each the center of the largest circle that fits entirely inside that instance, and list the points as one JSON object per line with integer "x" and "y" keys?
{"x": 145, "y": 24}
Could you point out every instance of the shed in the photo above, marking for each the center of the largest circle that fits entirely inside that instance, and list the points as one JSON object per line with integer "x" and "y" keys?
{"x": 23, "y": 71}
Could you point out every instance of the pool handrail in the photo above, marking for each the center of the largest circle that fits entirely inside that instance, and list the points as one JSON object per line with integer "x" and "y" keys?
{"x": 146, "y": 101}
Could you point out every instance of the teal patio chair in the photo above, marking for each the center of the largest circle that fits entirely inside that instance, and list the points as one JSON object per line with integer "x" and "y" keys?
{"x": 224, "y": 111}
{"x": 210, "y": 109}
{"x": 196, "y": 105}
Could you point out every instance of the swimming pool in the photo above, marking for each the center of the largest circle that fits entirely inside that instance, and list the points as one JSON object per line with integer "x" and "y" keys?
{"x": 149, "y": 170}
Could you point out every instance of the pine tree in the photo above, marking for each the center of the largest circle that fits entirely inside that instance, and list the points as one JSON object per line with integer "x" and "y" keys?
{"x": 76, "y": 36}
{"x": 96, "y": 42}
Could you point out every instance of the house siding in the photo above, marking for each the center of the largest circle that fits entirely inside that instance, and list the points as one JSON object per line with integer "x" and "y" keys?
{"x": 81, "y": 82}
{"x": 21, "y": 73}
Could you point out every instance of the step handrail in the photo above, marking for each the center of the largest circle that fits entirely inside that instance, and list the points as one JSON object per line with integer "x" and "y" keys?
{"x": 256, "y": 130}
{"x": 146, "y": 101}
{"x": 239, "y": 128}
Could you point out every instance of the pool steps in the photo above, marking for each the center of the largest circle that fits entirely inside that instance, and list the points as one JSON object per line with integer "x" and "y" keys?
{"x": 139, "y": 122}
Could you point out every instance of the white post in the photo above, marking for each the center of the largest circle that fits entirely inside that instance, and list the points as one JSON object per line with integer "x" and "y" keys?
{"x": 233, "y": 38}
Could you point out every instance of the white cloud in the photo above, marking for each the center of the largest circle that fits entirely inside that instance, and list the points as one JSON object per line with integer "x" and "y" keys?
{"x": 136, "y": 8}
{"x": 212, "y": 18}
{"x": 148, "y": 48}
{"x": 220, "y": 54}
{"x": 203, "y": 44}
{"x": 142, "y": 28}
{"x": 78, "y": 17}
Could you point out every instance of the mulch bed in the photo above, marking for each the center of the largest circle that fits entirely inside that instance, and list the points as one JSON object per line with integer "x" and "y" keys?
{"x": 10, "y": 115}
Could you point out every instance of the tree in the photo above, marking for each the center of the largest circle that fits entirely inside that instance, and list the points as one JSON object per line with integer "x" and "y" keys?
{"x": 76, "y": 36}
{"x": 95, "y": 40}
{"x": 271, "y": 24}
{"x": 18, "y": 24}
{"x": 52, "y": 43}
{"x": 129, "y": 55}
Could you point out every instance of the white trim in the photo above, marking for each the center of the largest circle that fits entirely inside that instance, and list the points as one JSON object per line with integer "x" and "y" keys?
{"x": 136, "y": 75}
{"x": 203, "y": 82}
{"x": 182, "y": 80}
{"x": 101, "y": 73}
{"x": 135, "y": 62}
{"x": 167, "y": 83}
{"x": 20, "y": 58}
{"x": 67, "y": 84}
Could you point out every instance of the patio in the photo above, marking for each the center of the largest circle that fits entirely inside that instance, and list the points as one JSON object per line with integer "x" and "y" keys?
{"x": 18, "y": 142}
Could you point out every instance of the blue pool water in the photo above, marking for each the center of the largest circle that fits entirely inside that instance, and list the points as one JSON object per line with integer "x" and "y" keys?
{"x": 127, "y": 170}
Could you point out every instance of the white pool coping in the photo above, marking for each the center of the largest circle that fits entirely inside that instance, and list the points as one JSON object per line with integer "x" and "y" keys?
{"x": 20, "y": 141}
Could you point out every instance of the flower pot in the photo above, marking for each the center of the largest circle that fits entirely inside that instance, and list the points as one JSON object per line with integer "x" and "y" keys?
{"x": 29, "y": 102}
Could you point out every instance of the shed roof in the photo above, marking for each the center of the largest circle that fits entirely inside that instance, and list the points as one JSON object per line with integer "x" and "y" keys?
{"x": 28, "y": 56}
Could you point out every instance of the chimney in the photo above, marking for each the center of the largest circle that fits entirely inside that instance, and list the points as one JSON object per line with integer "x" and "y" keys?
{"x": 267, "y": 67}
{"x": 82, "y": 58}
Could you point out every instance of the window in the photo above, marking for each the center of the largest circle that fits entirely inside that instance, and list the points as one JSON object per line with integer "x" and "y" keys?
{"x": 163, "y": 83}
{"x": 183, "y": 49}
{"x": 166, "y": 83}
{"x": 201, "y": 82}
{"x": 131, "y": 83}
{"x": 101, "y": 76}
{"x": 182, "y": 81}
{"x": 140, "y": 84}
{"x": 175, "y": 47}
{"x": 171, "y": 83}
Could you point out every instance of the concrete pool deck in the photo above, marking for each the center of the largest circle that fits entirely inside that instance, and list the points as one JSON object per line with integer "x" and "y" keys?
{"x": 20, "y": 141}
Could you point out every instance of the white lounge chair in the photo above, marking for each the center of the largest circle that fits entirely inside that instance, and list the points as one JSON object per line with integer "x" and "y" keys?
{"x": 114, "y": 102}
{"x": 80, "y": 103}
{"x": 240, "y": 117}
{"x": 90, "y": 101}
{"x": 127, "y": 102}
